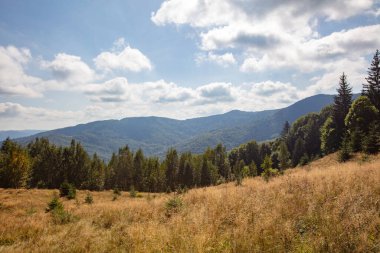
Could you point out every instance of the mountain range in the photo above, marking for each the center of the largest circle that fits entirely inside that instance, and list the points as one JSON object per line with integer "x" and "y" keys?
{"x": 154, "y": 135}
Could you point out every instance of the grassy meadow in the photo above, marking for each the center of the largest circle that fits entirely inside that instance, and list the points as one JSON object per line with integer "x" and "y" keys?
{"x": 322, "y": 207}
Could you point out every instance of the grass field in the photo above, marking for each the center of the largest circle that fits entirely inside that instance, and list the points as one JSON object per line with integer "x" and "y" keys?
{"x": 322, "y": 207}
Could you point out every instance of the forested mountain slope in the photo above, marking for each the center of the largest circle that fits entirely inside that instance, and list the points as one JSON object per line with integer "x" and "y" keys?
{"x": 155, "y": 134}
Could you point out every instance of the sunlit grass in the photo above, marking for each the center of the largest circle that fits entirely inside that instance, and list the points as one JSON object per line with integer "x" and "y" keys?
{"x": 323, "y": 207}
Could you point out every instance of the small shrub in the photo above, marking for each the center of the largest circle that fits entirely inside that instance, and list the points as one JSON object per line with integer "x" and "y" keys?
{"x": 221, "y": 180}
{"x": 67, "y": 190}
{"x": 54, "y": 204}
{"x": 269, "y": 173}
{"x": 89, "y": 199}
{"x": 59, "y": 215}
{"x": 304, "y": 160}
{"x": 182, "y": 190}
{"x": 173, "y": 205}
{"x": 132, "y": 192}
{"x": 41, "y": 185}
{"x": 116, "y": 191}
{"x": 239, "y": 180}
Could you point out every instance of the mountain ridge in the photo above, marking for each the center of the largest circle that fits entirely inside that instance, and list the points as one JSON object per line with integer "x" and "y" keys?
{"x": 154, "y": 135}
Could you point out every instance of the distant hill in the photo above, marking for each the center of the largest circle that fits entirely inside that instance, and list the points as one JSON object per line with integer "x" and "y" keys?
{"x": 17, "y": 133}
{"x": 156, "y": 134}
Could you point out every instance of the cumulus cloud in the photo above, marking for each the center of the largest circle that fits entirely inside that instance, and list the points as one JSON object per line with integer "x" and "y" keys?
{"x": 215, "y": 93}
{"x": 114, "y": 90}
{"x": 19, "y": 116}
{"x": 122, "y": 57}
{"x": 277, "y": 34}
{"x": 224, "y": 60}
{"x": 69, "y": 69}
{"x": 14, "y": 81}
{"x": 120, "y": 98}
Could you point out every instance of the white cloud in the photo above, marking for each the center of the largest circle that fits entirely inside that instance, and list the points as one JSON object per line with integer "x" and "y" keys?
{"x": 122, "y": 57}
{"x": 21, "y": 117}
{"x": 276, "y": 34}
{"x": 114, "y": 90}
{"x": 13, "y": 79}
{"x": 69, "y": 69}
{"x": 119, "y": 98}
{"x": 224, "y": 60}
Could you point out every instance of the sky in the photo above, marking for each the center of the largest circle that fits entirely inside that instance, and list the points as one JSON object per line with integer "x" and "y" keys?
{"x": 68, "y": 62}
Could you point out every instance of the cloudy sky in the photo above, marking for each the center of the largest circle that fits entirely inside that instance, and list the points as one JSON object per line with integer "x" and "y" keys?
{"x": 68, "y": 62}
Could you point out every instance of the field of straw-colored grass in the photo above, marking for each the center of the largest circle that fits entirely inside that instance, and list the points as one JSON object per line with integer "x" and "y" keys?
{"x": 323, "y": 207}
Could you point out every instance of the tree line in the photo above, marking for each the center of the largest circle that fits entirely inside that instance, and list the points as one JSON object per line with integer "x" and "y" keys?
{"x": 346, "y": 126}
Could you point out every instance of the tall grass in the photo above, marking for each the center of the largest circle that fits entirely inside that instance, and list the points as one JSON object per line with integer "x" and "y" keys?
{"x": 323, "y": 207}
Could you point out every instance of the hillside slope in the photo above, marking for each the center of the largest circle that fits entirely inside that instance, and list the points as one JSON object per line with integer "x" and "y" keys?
{"x": 155, "y": 135}
{"x": 324, "y": 207}
{"x": 17, "y": 133}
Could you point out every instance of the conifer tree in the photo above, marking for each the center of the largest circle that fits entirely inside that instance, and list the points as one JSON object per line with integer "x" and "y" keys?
{"x": 372, "y": 88}
{"x": 344, "y": 152}
{"x": 172, "y": 165}
{"x": 205, "y": 172}
{"x": 285, "y": 130}
{"x": 342, "y": 104}
{"x": 284, "y": 156}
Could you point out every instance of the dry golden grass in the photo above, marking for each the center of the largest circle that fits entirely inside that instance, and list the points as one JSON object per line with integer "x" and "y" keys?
{"x": 323, "y": 207}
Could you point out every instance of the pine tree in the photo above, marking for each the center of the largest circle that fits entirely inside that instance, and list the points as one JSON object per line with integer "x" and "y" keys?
{"x": 172, "y": 166}
{"x": 268, "y": 171}
{"x": 299, "y": 150}
{"x": 344, "y": 152}
{"x": 205, "y": 172}
{"x": 372, "y": 88}
{"x": 342, "y": 104}
{"x": 284, "y": 156}
{"x": 285, "y": 130}
{"x": 371, "y": 142}
{"x": 138, "y": 170}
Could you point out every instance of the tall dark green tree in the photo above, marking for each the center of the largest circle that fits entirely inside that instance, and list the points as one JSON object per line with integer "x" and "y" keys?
{"x": 221, "y": 161}
{"x": 138, "y": 170}
{"x": 285, "y": 130}
{"x": 371, "y": 89}
{"x": 205, "y": 172}
{"x": 172, "y": 166}
{"x": 96, "y": 175}
{"x": 298, "y": 152}
{"x": 342, "y": 104}
{"x": 283, "y": 156}
{"x": 121, "y": 167}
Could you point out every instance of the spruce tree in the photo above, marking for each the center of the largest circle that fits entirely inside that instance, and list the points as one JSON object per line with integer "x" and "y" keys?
{"x": 342, "y": 104}
{"x": 205, "y": 172}
{"x": 372, "y": 88}
{"x": 344, "y": 152}
{"x": 284, "y": 156}
{"x": 285, "y": 130}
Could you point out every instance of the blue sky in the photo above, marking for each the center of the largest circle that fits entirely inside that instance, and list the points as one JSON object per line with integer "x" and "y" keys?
{"x": 68, "y": 62}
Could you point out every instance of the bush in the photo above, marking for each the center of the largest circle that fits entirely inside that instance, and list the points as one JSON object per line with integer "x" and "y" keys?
{"x": 59, "y": 215}
{"x": 269, "y": 173}
{"x": 173, "y": 205}
{"x": 132, "y": 192}
{"x": 67, "y": 190}
{"x": 89, "y": 199}
{"x": 54, "y": 204}
{"x": 116, "y": 191}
